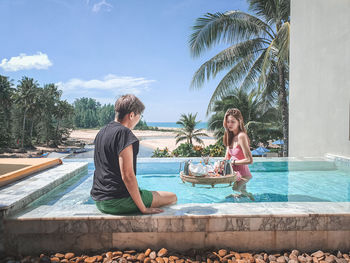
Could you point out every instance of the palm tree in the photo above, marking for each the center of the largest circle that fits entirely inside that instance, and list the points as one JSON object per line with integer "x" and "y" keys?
{"x": 64, "y": 111}
{"x": 6, "y": 93}
{"x": 24, "y": 98}
{"x": 188, "y": 132}
{"x": 258, "y": 53}
{"x": 50, "y": 102}
{"x": 262, "y": 122}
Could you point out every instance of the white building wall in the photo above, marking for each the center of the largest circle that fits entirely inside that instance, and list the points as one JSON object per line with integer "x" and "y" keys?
{"x": 319, "y": 109}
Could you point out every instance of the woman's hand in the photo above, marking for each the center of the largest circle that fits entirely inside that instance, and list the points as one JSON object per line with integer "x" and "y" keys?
{"x": 152, "y": 210}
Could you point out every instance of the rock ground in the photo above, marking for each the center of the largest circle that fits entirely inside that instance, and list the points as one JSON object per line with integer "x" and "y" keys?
{"x": 191, "y": 256}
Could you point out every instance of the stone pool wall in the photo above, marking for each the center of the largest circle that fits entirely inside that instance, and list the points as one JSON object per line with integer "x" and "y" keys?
{"x": 17, "y": 195}
{"x": 249, "y": 227}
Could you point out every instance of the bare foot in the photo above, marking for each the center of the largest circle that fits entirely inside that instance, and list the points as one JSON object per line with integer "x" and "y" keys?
{"x": 249, "y": 195}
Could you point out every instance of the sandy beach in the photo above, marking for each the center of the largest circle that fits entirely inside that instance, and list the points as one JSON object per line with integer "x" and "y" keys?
{"x": 149, "y": 139}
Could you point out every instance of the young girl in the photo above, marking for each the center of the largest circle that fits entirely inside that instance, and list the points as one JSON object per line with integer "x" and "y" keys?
{"x": 236, "y": 141}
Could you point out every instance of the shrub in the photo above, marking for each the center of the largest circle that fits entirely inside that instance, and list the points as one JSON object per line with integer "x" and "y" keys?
{"x": 161, "y": 152}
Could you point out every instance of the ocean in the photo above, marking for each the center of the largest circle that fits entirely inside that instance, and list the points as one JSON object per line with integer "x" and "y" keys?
{"x": 201, "y": 125}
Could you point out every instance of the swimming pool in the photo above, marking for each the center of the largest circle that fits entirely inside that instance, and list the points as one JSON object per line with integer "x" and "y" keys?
{"x": 273, "y": 181}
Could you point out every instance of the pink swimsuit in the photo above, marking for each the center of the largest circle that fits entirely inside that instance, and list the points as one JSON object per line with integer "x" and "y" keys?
{"x": 241, "y": 170}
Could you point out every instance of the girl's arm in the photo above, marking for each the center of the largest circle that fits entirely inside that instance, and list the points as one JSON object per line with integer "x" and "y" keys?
{"x": 227, "y": 155}
{"x": 243, "y": 142}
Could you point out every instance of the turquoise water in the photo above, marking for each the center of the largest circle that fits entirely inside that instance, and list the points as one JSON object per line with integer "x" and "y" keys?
{"x": 201, "y": 125}
{"x": 313, "y": 181}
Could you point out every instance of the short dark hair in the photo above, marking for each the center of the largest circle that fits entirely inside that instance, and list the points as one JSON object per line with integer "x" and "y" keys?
{"x": 126, "y": 104}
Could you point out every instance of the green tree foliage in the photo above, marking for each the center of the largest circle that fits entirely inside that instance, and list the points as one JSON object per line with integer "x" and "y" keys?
{"x": 161, "y": 153}
{"x": 26, "y": 100}
{"x": 6, "y": 93}
{"x": 187, "y": 131}
{"x": 258, "y": 52}
{"x": 31, "y": 114}
{"x": 105, "y": 114}
{"x": 189, "y": 150}
{"x": 141, "y": 125}
{"x": 86, "y": 113}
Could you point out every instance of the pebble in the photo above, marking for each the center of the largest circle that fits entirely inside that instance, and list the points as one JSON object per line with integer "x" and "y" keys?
{"x": 272, "y": 258}
{"x": 302, "y": 259}
{"x": 69, "y": 255}
{"x": 294, "y": 257}
{"x": 90, "y": 260}
{"x": 162, "y": 253}
{"x": 147, "y": 252}
{"x": 153, "y": 255}
{"x": 295, "y": 252}
{"x": 222, "y": 252}
{"x": 192, "y": 256}
{"x": 317, "y": 254}
{"x": 130, "y": 252}
{"x": 59, "y": 255}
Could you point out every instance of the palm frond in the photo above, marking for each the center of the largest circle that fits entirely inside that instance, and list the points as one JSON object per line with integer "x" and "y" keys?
{"x": 231, "y": 79}
{"x": 226, "y": 27}
{"x": 282, "y": 42}
{"x": 226, "y": 59}
{"x": 179, "y": 139}
{"x": 198, "y": 140}
{"x": 253, "y": 74}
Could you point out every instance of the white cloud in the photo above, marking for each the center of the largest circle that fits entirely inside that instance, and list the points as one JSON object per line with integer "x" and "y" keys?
{"x": 102, "y": 5}
{"x": 106, "y": 89}
{"x": 24, "y": 62}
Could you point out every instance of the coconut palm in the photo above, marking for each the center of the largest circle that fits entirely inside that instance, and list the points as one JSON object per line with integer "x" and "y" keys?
{"x": 188, "y": 131}
{"x": 25, "y": 95}
{"x": 6, "y": 92}
{"x": 258, "y": 52}
{"x": 262, "y": 122}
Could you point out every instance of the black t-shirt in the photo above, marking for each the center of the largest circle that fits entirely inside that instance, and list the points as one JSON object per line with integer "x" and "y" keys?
{"x": 109, "y": 142}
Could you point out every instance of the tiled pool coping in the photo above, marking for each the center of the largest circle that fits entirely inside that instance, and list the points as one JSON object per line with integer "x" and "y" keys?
{"x": 241, "y": 226}
{"x": 17, "y": 195}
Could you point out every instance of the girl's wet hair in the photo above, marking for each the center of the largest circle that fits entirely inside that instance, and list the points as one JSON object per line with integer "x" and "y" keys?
{"x": 228, "y": 135}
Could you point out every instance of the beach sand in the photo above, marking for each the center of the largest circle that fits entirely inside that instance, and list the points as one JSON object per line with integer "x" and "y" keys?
{"x": 149, "y": 139}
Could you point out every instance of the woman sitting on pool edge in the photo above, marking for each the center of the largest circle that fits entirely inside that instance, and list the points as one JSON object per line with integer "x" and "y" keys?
{"x": 236, "y": 141}
{"x": 115, "y": 189}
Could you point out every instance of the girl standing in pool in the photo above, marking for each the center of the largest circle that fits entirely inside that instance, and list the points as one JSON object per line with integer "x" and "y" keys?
{"x": 236, "y": 141}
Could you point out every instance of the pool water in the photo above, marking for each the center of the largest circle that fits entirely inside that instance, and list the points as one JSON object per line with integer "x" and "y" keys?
{"x": 297, "y": 181}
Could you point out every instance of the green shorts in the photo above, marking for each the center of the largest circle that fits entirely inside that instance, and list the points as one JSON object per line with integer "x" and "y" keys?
{"x": 124, "y": 205}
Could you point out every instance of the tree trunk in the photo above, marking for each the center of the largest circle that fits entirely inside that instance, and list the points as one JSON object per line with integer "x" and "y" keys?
{"x": 284, "y": 104}
{"x": 31, "y": 132}
{"x": 23, "y": 126}
{"x": 57, "y": 140}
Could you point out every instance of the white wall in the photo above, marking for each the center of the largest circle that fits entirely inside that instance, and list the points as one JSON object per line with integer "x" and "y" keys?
{"x": 319, "y": 78}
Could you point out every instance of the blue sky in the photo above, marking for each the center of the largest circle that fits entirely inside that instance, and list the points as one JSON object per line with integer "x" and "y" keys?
{"x": 104, "y": 48}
